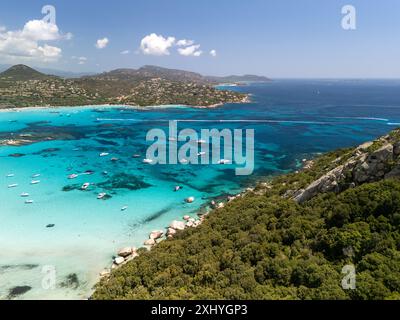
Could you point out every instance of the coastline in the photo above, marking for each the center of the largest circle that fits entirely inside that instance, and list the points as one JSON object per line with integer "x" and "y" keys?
{"x": 247, "y": 99}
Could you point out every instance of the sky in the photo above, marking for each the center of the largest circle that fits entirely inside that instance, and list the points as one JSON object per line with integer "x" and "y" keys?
{"x": 274, "y": 38}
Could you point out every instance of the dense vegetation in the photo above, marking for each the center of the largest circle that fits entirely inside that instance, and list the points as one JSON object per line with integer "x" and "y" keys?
{"x": 265, "y": 246}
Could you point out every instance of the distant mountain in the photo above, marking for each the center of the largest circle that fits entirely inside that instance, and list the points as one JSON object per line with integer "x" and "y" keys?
{"x": 125, "y": 74}
{"x": 54, "y": 72}
{"x": 151, "y": 72}
{"x": 233, "y": 78}
{"x": 22, "y": 72}
{"x": 65, "y": 74}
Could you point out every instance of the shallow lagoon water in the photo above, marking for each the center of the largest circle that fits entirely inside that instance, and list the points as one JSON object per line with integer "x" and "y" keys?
{"x": 292, "y": 120}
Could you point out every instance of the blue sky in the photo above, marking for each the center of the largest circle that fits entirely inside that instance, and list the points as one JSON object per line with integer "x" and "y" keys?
{"x": 276, "y": 38}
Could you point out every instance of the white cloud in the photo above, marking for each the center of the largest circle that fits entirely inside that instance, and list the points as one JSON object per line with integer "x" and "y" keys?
{"x": 156, "y": 45}
{"x": 49, "y": 51}
{"x": 190, "y": 51}
{"x": 102, "y": 43}
{"x": 27, "y": 44}
{"x": 184, "y": 43}
{"x": 213, "y": 53}
{"x": 40, "y": 31}
{"x": 125, "y": 52}
{"x": 81, "y": 60}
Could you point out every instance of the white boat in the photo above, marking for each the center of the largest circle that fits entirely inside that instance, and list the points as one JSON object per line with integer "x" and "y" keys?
{"x": 147, "y": 161}
{"x": 183, "y": 161}
{"x": 124, "y": 208}
{"x": 101, "y": 195}
{"x": 35, "y": 181}
{"x": 72, "y": 176}
{"x": 24, "y": 195}
{"x": 85, "y": 186}
{"x": 201, "y": 141}
{"x": 13, "y": 185}
{"x": 37, "y": 175}
{"x": 10, "y": 175}
{"x": 28, "y": 201}
{"x": 104, "y": 154}
{"x": 177, "y": 188}
{"x": 202, "y": 153}
{"x": 224, "y": 161}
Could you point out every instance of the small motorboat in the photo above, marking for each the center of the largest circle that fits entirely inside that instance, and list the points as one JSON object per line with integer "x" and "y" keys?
{"x": 89, "y": 172}
{"x": 24, "y": 195}
{"x": 37, "y": 175}
{"x": 177, "y": 188}
{"x": 101, "y": 195}
{"x": 184, "y": 161}
{"x": 10, "y": 175}
{"x": 73, "y": 176}
{"x": 28, "y": 201}
{"x": 13, "y": 185}
{"x": 202, "y": 153}
{"x": 124, "y": 208}
{"x": 85, "y": 186}
{"x": 114, "y": 159}
{"x": 35, "y": 181}
{"x": 104, "y": 154}
{"x": 105, "y": 173}
{"x": 147, "y": 161}
{"x": 136, "y": 156}
{"x": 224, "y": 161}
{"x": 201, "y": 141}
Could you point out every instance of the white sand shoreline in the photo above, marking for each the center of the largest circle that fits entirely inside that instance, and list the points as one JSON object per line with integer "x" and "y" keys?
{"x": 94, "y": 106}
{"x": 247, "y": 99}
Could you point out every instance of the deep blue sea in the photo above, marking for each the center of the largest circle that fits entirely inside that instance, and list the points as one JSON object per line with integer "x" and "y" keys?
{"x": 70, "y": 231}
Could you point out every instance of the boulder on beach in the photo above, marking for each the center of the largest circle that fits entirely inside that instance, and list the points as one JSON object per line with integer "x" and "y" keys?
{"x": 105, "y": 273}
{"x": 156, "y": 234}
{"x": 149, "y": 242}
{"x": 132, "y": 256}
{"x": 189, "y": 224}
{"x": 119, "y": 260}
{"x": 186, "y": 218}
{"x": 124, "y": 252}
{"x": 171, "y": 232}
{"x": 177, "y": 225}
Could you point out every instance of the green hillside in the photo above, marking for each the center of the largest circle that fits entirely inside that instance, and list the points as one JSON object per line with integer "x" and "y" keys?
{"x": 22, "y": 72}
{"x": 267, "y": 244}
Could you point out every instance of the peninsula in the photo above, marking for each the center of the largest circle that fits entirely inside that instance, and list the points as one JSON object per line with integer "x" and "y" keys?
{"x": 22, "y": 86}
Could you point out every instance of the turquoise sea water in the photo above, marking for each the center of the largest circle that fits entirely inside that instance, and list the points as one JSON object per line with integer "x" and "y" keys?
{"x": 293, "y": 120}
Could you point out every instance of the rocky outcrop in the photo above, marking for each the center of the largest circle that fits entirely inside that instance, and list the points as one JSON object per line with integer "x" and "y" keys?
{"x": 156, "y": 234}
{"x": 177, "y": 225}
{"x": 149, "y": 242}
{"x": 124, "y": 252}
{"x": 363, "y": 166}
